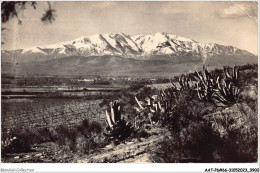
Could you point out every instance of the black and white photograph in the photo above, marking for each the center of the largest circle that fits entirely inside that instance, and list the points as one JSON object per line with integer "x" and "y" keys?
{"x": 129, "y": 82}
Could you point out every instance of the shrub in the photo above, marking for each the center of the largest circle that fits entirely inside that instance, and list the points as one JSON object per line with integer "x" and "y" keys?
{"x": 14, "y": 145}
{"x": 82, "y": 139}
{"x": 199, "y": 141}
{"x": 17, "y": 140}
{"x": 166, "y": 151}
{"x": 66, "y": 137}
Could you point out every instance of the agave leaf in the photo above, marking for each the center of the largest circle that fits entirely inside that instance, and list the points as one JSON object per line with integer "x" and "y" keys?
{"x": 112, "y": 113}
{"x": 155, "y": 107}
{"x": 159, "y": 105}
{"x": 137, "y": 109}
{"x": 155, "y": 97}
{"x": 138, "y": 102}
{"x": 152, "y": 109}
{"x": 149, "y": 101}
{"x": 109, "y": 120}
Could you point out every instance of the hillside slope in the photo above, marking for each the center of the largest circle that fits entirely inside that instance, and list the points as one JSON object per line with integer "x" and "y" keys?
{"x": 119, "y": 66}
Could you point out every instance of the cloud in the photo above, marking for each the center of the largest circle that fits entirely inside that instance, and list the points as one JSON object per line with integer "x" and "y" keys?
{"x": 240, "y": 9}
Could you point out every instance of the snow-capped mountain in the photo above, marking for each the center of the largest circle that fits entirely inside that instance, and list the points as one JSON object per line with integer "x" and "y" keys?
{"x": 163, "y": 43}
{"x": 99, "y": 45}
{"x": 123, "y": 45}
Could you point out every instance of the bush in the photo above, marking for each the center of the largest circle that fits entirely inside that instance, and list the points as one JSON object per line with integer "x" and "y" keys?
{"x": 82, "y": 139}
{"x": 17, "y": 140}
{"x": 166, "y": 151}
{"x": 200, "y": 141}
{"x": 240, "y": 141}
{"x": 66, "y": 137}
{"x": 14, "y": 145}
{"x": 194, "y": 136}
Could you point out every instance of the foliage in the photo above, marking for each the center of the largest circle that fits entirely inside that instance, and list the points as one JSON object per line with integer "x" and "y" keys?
{"x": 13, "y": 145}
{"x": 198, "y": 138}
{"x": 232, "y": 77}
{"x": 227, "y": 93}
{"x": 83, "y": 138}
{"x": 200, "y": 141}
{"x": 206, "y": 85}
{"x": 149, "y": 111}
{"x": 237, "y": 128}
{"x": 166, "y": 151}
{"x": 184, "y": 82}
{"x": 49, "y": 15}
{"x": 11, "y": 9}
{"x": 215, "y": 90}
{"x": 18, "y": 140}
{"x": 158, "y": 108}
{"x": 117, "y": 128}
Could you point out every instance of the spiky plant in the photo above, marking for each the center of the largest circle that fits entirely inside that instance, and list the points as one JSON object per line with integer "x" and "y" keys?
{"x": 167, "y": 103}
{"x": 206, "y": 85}
{"x": 221, "y": 91}
{"x": 117, "y": 128}
{"x": 227, "y": 93}
{"x": 185, "y": 82}
{"x": 147, "y": 110}
{"x": 157, "y": 108}
{"x": 232, "y": 77}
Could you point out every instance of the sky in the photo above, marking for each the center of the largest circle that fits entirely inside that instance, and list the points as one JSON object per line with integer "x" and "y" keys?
{"x": 227, "y": 23}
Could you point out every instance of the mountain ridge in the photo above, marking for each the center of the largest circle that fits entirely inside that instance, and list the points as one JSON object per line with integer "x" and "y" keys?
{"x": 158, "y": 54}
{"x": 120, "y": 44}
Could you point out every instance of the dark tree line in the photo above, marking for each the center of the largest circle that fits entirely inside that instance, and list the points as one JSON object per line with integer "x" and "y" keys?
{"x": 11, "y": 9}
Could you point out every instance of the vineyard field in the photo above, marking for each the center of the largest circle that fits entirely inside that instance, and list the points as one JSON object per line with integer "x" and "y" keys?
{"x": 49, "y": 113}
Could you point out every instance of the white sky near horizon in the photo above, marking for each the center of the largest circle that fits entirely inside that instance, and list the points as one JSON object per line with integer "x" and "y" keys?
{"x": 207, "y": 22}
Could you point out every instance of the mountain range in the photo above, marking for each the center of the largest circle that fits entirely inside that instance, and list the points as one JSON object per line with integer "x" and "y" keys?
{"x": 132, "y": 54}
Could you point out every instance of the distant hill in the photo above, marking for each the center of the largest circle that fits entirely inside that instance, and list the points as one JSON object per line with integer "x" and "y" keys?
{"x": 118, "y": 66}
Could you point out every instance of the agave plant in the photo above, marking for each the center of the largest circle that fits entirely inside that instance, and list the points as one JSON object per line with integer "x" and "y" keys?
{"x": 227, "y": 94}
{"x": 157, "y": 108}
{"x": 232, "y": 77}
{"x": 147, "y": 110}
{"x": 185, "y": 82}
{"x": 206, "y": 85}
{"x": 223, "y": 91}
{"x": 117, "y": 128}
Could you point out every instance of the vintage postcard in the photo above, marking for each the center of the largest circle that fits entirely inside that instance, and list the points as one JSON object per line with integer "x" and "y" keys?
{"x": 129, "y": 82}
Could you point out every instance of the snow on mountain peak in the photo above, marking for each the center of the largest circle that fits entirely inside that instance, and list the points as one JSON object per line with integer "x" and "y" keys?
{"x": 160, "y": 43}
